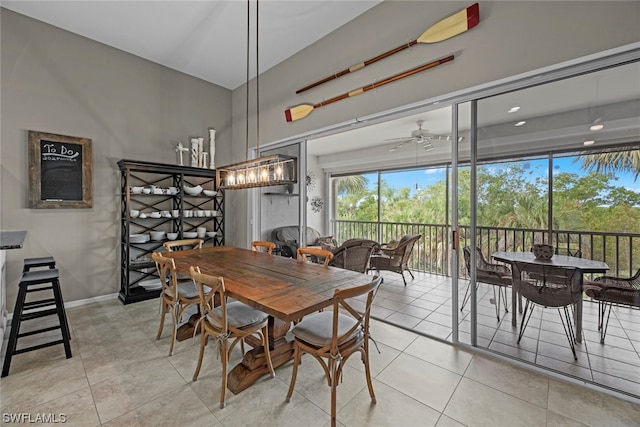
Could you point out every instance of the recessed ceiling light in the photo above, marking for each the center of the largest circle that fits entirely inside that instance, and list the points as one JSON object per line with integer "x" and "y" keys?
{"x": 520, "y": 123}
{"x": 596, "y": 127}
{"x": 513, "y": 109}
{"x": 392, "y": 149}
{"x": 588, "y": 143}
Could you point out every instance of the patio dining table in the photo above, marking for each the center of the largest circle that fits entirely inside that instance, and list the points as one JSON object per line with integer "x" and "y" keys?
{"x": 562, "y": 261}
{"x": 281, "y": 287}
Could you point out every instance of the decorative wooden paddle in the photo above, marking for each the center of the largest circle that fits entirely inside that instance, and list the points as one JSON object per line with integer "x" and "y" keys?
{"x": 301, "y": 111}
{"x": 443, "y": 30}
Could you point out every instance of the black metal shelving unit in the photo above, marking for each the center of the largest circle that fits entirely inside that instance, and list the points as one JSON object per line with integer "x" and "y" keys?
{"x": 135, "y": 263}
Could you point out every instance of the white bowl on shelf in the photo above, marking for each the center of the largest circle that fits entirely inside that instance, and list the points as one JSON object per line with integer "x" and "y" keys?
{"x": 211, "y": 234}
{"x": 172, "y": 236}
{"x": 190, "y": 234}
{"x": 157, "y": 235}
{"x": 136, "y": 190}
{"x": 134, "y": 213}
{"x": 155, "y": 215}
{"x": 193, "y": 191}
{"x": 210, "y": 193}
{"x": 146, "y": 190}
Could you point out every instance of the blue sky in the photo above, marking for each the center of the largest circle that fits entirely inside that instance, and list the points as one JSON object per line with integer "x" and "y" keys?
{"x": 424, "y": 178}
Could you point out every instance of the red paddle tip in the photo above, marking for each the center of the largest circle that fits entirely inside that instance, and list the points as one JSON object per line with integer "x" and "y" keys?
{"x": 473, "y": 15}
{"x": 287, "y": 114}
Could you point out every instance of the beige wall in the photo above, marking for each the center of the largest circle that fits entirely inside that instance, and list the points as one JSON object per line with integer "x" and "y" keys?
{"x": 512, "y": 37}
{"x": 55, "y": 81}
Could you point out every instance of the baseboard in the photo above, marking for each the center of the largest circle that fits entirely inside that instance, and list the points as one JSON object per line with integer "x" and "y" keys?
{"x": 78, "y": 303}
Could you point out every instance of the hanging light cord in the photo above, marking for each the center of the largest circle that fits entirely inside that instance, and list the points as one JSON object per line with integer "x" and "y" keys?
{"x": 257, "y": 82}
{"x": 246, "y": 152}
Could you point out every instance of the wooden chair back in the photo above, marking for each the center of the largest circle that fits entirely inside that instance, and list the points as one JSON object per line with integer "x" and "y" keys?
{"x": 166, "y": 268}
{"x": 208, "y": 298}
{"x": 304, "y": 253}
{"x": 184, "y": 244}
{"x": 263, "y": 246}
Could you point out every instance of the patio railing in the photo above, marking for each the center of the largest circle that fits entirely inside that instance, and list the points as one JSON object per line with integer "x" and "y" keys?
{"x": 621, "y": 251}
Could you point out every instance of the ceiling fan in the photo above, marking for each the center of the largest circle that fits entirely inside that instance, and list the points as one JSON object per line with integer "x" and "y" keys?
{"x": 420, "y": 136}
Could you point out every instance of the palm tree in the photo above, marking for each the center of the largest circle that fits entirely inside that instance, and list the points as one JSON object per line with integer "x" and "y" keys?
{"x": 612, "y": 161}
{"x": 351, "y": 184}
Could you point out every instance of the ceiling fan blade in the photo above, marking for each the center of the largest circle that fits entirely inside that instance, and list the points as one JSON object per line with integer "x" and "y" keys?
{"x": 409, "y": 138}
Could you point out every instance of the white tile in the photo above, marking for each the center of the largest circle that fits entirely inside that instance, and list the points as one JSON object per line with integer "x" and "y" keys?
{"x": 421, "y": 380}
{"x": 440, "y": 354}
{"x": 475, "y": 404}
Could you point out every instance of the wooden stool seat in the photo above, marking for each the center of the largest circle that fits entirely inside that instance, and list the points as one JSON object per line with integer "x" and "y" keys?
{"x": 37, "y": 281}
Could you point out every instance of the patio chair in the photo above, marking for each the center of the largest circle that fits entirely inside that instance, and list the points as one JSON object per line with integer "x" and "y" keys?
{"x": 558, "y": 287}
{"x": 396, "y": 258}
{"x": 228, "y": 321}
{"x": 331, "y": 337}
{"x": 493, "y": 274}
{"x": 609, "y": 290}
{"x": 354, "y": 254}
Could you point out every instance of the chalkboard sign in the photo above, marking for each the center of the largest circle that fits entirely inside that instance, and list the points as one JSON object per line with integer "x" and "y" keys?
{"x": 59, "y": 171}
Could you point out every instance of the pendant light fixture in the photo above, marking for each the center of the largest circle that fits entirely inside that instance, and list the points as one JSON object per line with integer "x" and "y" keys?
{"x": 263, "y": 171}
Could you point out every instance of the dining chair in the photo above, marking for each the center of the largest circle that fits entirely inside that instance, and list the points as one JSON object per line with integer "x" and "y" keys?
{"x": 176, "y": 297}
{"x": 609, "y": 290}
{"x": 497, "y": 275}
{"x": 548, "y": 287}
{"x": 228, "y": 321}
{"x": 263, "y": 246}
{"x": 395, "y": 257}
{"x": 183, "y": 244}
{"x": 331, "y": 337}
{"x": 307, "y": 254}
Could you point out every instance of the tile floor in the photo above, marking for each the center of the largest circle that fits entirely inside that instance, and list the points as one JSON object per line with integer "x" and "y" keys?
{"x": 424, "y": 306}
{"x": 121, "y": 376}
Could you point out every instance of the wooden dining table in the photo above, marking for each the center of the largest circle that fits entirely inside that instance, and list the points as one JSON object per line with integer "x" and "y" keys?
{"x": 562, "y": 261}
{"x": 282, "y": 287}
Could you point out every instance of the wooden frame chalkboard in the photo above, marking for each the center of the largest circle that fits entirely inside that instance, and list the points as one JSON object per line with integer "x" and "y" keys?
{"x": 59, "y": 171}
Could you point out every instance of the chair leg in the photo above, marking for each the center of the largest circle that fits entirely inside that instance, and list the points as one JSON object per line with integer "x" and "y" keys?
{"x": 163, "y": 312}
{"x": 605, "y": 324}
{"x": 15, "y": 330}
{"x": 333, "y": 368}
{"x": 367, "y": 370}
{"x": 225, "y": 359}
{"x": 467, "y": 296}
{"x": 497, "y": 302}
{"x": 174, "y": 333}
{"x": 528, "y": 306}
{"x": 568, "y": 330}
{"x": 203, "y": 343}
{"x": 403, "y": 279}
{"x": 296, "y": 361}
{"x": 267, "y": 352}
{"x": 409, "y": 270}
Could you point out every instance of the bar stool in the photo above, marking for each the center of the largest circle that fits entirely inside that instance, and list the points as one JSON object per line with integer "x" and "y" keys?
{"x": 37, "y": 281}
{"x": 46, "y": 261}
